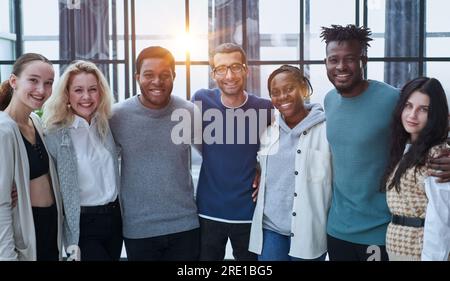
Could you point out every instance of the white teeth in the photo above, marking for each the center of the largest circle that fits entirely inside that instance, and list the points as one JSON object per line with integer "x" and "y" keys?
{"x": 157, "y": 92}
{"x": 86, "y": 104}
{"x": 37, "y": 98}
{"x": 285, "y": 105}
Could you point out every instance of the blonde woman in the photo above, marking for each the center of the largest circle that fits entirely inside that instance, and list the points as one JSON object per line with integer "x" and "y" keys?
{"x": 32, "y": 229}
{"x": 81, "y": 144}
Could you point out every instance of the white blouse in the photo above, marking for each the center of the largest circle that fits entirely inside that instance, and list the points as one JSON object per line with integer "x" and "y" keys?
{"x": 95, "y": 164}
{"x": 436, "y": 232}
{"x": 436, "y": 236}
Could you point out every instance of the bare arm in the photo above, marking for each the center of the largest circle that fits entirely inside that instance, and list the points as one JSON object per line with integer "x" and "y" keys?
{"x": 256, "y": 181}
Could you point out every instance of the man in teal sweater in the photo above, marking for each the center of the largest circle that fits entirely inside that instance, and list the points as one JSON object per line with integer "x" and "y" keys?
{"x": 358, "y": 113}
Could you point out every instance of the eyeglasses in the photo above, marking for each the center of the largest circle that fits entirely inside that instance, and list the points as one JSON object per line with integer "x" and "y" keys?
{"x": 235, "y": 68}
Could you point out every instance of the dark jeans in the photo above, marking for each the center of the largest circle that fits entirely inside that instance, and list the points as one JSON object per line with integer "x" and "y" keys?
{"x": 100, "y": 234}
{"x": 181, "y": 246}
{"x": 214, "y": 237}
{"x": 340, "y": 250}
{"x": 276, "y": 248}
{"x": 46, "y": 228}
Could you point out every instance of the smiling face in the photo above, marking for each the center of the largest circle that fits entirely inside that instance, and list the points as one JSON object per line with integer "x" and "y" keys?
{"x": 286, "y": 93}
{"x": 84, "y": 95}
{"x": 415, "y": 114}
{"x": 345, "y": 66}
{"x": 156, "y": 82}
{"x": 232, "y": 82}
{"x": 34, "y": 84}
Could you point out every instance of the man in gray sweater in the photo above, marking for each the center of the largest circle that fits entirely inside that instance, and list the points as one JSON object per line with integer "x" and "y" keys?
{"x": 160, "y": 219}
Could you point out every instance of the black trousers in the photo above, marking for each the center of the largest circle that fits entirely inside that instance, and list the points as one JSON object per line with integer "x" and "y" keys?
{"x": 101, "y": 233}
{"x": 340, "y": 250}
{"x": 46, "y": 229}
{"x": 181, "y": 246}
{"x": 214, "y": 237}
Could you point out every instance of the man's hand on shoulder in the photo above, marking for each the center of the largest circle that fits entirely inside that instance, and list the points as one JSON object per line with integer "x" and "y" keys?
{"x": 440, "y": 166}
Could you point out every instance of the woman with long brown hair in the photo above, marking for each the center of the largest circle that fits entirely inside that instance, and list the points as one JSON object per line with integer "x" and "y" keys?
{"x": 32, "y": 229}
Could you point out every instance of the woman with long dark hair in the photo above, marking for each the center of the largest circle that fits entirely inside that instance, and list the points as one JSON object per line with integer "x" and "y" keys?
{"x": 420, "y": 207}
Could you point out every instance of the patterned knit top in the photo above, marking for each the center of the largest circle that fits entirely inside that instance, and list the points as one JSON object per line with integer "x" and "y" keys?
{"x": 411, "y": 201}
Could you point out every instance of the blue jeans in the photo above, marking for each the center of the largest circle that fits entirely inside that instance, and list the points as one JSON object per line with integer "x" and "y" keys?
{"x": 276, "y": 248}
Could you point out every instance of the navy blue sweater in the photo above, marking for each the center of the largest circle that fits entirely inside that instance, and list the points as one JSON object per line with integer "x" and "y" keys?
{"x": 229, "y": 149}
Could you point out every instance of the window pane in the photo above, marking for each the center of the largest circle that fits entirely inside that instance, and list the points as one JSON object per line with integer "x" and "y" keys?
{"x": 199, "y": 78}
{"x": 198, "y": 27}
{"x": 38, "y": 20}
{"x": 319, "y": 82}
{"x": 439, "y": 70}
{"x": 156, "y": 24}
{"x": 438, "y": 46}
{"x": 438, "y": 28}
{"x": 375, "y": 71}
{"x": 179, "y": 84}
{"x": 6, "y": 49}
{"x": 279, "y": 32}
{"x": 376, "y": 22}
{"x": 120, "y": 31}
{"x": 49, "y": 49}
{"x": 393, "y": 73}
{"x": 5, "y": 26}
{"x": 323, "y": 13}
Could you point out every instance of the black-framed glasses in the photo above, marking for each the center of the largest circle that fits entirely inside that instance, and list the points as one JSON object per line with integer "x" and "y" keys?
{"x": 235, "y": 68}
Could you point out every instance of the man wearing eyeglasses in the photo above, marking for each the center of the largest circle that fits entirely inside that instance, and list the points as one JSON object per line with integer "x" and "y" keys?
{"x": 232, "y": 121}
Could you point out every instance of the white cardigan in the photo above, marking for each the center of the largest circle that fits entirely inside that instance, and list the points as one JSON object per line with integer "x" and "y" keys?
{"x": 312, "y": 186}
{"x": 17, "y": 233}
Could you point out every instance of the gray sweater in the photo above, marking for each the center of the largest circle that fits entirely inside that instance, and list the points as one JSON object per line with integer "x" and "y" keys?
{"x": 157, "y": 193}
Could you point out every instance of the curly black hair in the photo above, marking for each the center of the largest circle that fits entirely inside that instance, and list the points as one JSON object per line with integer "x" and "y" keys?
{"x": 345, "y": 33}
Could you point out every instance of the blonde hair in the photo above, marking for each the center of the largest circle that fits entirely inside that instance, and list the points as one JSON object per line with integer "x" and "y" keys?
{"x": 57, "y": 113}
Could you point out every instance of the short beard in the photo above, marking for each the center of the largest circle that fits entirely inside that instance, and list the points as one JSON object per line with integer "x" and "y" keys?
{"x": 349, "y": 88}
